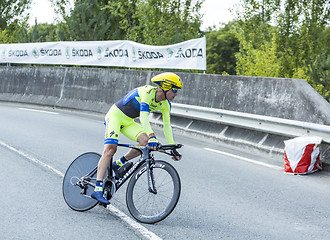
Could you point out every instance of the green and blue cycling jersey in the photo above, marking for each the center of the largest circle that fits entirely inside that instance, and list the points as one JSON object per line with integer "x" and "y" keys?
{"x": 137, "y": 103}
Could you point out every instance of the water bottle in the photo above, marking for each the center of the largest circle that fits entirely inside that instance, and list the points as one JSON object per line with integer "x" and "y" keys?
{"x": 124, "y": 169}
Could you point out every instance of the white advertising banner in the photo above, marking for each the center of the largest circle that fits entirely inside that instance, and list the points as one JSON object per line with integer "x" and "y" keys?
{"x": 186, "y": 55}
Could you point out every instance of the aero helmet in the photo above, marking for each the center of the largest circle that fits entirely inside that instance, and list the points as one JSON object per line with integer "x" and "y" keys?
{"x": 167, "y": 81}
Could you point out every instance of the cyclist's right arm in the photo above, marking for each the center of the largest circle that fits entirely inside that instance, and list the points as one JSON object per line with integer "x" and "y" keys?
{"x": 144, "y": 119}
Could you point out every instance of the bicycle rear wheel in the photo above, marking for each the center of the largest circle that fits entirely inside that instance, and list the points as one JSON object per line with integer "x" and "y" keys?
{"x": 73, "y": 194}
{"x": 146, "y": 206}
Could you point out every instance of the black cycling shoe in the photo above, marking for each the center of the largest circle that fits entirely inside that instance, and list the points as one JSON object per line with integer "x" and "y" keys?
{"x": 115, "y": 168}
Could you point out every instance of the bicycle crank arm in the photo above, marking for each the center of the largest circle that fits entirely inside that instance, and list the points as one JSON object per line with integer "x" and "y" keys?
{"x": 84, "y": 195}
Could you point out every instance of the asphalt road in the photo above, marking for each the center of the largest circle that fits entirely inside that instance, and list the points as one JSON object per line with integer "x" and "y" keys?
{"x": 243, "y": 196}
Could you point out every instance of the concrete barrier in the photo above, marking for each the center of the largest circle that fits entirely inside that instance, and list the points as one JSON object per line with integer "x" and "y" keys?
{"x": 89, "y": 89}
{"x": 95, "y": 89}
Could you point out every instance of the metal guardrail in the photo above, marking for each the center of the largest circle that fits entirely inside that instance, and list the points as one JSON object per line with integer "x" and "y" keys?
{"x": 278, "y": 126}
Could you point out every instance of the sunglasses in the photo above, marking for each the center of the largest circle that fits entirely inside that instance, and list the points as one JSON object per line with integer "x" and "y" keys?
{"x": 175, "y": 90}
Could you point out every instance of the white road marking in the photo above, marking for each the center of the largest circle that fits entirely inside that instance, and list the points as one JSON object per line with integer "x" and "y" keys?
{"x": 36, "y": 110}
{"x": 135, "y": 225}
{"x": 244, "y": 159}
{"x": 29, "y": 157}
{"x": 144, "y": 231}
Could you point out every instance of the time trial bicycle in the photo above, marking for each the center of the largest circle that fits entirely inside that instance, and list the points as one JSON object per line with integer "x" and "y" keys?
{"x": 152, "y": 192}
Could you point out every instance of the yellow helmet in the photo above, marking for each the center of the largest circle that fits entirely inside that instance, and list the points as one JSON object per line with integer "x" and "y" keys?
{"x": 167, "y": 81}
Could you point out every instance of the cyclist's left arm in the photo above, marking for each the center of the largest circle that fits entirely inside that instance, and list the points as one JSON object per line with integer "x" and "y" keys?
{"x": 167, "y": 128}
{"x": 168, "y": 132}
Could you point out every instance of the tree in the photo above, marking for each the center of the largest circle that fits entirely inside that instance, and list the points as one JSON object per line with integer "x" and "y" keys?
{"x": 299, "y": 28}
{"x": 5, "y": 37}
{"x": 63, "y": 8}
{"x": 254, "y": 23}
{"x": 43, "y": 33}
{"x": 90, "y": 21}
{"x": 13, "y": 19}
{"x": 258, "y": 54}
{"x": 126, "y": 14}
{"x": 13, "y": 12}
{"x": 170, "y": 21}
{"x": 319, "y": 74}
{"x": 221, "y": 48}
{"x": 158, "y": 22}
{"x": 261, "y": 62}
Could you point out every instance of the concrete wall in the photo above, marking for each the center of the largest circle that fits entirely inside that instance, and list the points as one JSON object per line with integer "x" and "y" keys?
{"x": 95, "y": 89}
{"x": 277, "y": 97}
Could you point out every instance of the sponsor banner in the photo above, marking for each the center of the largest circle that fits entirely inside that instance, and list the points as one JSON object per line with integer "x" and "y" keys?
{"x": 186, "y": 55}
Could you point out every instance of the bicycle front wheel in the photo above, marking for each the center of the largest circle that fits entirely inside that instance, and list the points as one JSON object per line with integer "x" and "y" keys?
{"x": 77, "y": 196}
{"x": 148, "y": 206}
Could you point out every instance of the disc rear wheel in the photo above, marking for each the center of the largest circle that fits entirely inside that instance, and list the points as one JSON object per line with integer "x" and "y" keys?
{"x": 77, "y": 193}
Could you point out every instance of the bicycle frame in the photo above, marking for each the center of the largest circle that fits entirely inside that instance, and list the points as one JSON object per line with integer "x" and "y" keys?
{"x": 145, "y": 157}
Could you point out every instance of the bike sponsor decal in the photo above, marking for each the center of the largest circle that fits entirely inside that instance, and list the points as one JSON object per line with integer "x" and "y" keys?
{"x": 135, "y": 166}
{"x": 159, "y": 165}
{"x": 140, "y": 172}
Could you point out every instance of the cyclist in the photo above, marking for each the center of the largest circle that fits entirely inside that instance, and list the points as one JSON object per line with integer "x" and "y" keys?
{"x": 120, "y": 118}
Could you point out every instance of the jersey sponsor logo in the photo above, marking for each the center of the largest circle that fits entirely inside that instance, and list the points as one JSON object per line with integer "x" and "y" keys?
{"x": 109, "y": 135}
{"x": 150, "y": 90}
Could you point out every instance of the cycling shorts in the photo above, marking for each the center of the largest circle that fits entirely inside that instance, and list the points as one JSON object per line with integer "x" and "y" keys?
{"x": 115, "y": 122}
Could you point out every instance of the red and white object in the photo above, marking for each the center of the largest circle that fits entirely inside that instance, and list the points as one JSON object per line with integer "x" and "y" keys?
{"x": 302, "y": 155}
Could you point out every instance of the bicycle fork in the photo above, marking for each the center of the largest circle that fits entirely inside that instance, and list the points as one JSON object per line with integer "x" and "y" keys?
{"x": 151, "y": 179}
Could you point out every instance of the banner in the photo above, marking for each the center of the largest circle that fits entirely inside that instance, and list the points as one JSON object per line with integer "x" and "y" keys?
{"x": 186, "y": 55}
